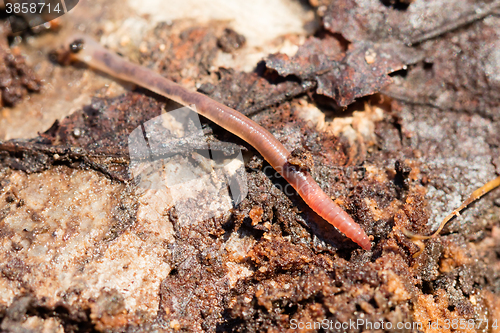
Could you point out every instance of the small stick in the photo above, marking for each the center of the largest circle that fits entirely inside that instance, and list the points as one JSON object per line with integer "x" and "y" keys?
{"x": 473, "y": 197}
{"x": 480, "y": 13}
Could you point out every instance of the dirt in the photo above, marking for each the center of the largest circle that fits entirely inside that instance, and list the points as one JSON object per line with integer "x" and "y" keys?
{"x": 393, "y": 109}
{"x": 16, "y": 77}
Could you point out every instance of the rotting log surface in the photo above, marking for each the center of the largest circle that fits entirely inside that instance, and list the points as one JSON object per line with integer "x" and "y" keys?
{"x": 84, "y": 250}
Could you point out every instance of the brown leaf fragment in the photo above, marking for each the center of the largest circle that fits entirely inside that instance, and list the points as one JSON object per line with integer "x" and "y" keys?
{"x": 388, "y": 29}
{"x": 313, "y": 57}
{"x": 362, "y": 71}
{"x": 359, "y": 20}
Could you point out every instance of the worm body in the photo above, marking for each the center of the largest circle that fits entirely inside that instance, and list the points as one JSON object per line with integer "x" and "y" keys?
{"x": 87, "y": 50}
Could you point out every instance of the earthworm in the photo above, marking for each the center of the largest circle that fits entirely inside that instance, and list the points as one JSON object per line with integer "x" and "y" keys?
{"x": 85, "y": 49}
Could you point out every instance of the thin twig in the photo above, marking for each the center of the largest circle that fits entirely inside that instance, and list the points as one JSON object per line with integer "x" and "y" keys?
{"x": 277, "y": 99}
{"x": 473, "y": 197}
{"x": 478, "y": 14}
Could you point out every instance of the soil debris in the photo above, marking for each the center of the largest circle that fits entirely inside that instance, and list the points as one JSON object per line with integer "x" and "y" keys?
{"x": 17, "y": 79}
{"x": 85, "y": 248}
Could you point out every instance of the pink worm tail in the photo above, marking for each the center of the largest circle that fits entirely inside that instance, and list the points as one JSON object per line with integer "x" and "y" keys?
{"x": 324, "y": 206}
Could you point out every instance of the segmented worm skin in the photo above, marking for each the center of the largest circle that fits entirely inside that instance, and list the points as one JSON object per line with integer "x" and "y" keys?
{"x": 87, "y": 50}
